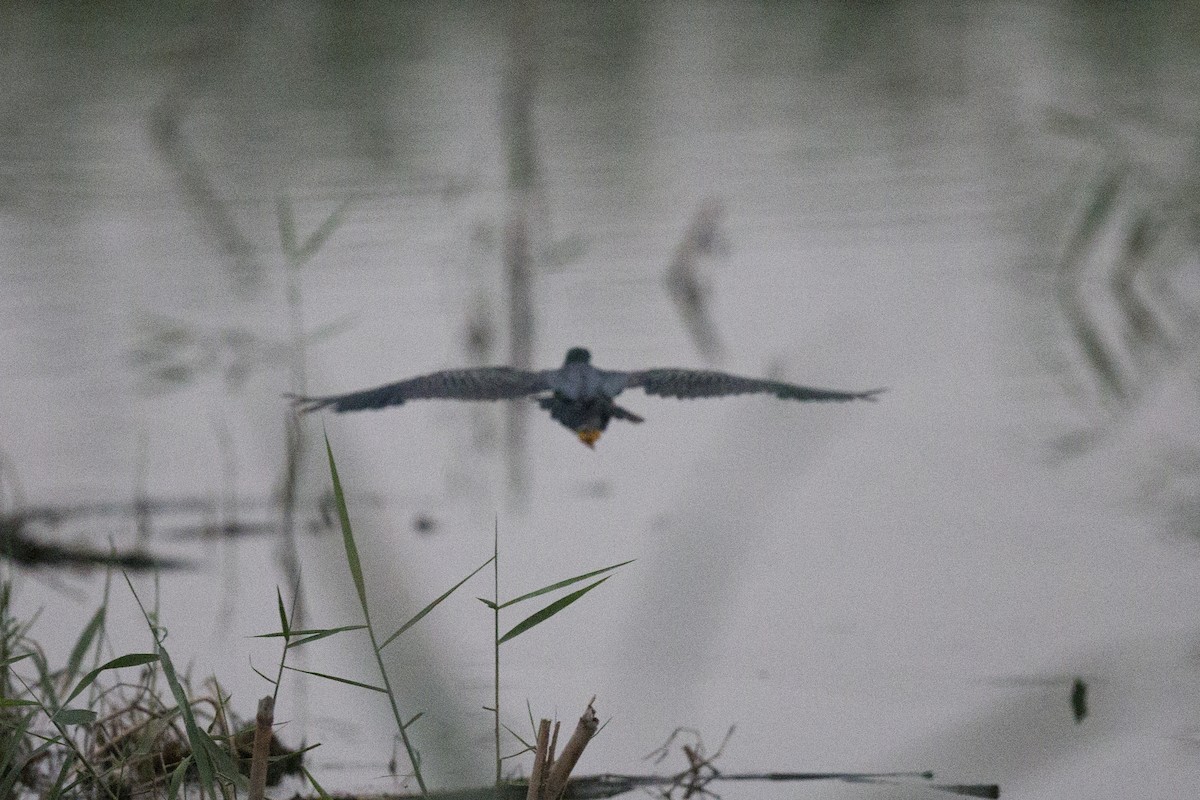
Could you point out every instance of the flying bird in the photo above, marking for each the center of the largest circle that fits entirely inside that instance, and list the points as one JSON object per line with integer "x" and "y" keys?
{"x": 576, "y": 394}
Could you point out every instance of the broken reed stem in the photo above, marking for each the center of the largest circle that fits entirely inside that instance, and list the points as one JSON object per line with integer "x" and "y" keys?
{"x": 539, "y": 760}
{"x": 262, "y": 747}
{"x": 552, "y": 752}
{"x": 560, "y": 770}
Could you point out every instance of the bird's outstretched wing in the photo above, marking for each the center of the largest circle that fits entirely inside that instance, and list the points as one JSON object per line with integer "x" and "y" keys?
{"x": 689, "y": 383}
{"x": 483, "y": 383}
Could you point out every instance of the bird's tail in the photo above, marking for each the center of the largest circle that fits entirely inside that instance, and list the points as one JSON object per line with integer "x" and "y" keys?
{"x": 592, "y": 414}
{"x": 625, "y": 414}
{"x": 304, "y": 405}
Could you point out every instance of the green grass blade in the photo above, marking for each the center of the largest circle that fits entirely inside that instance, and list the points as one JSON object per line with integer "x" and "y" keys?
{"x": 306, "y": 636}
{"x": 10, "y": 771}
{"x": 128, "y": 660}
{"x": 8, "y": 779}
{"x": 210, "y": 759}
{"x": 339, "y": 680}
{"x": 549, "y": 611}
{"x": 513, "y": 755}
{"x": 9, "y": 661}
{"x": 417, "y": 617}
{"x": 51, "y": 746}
{"x": 320, "y": 789}
{"x": 264, "y": 677}
{"x": 8, "y": 701}
{"x": 45, "y": 680}
{"x": 203, "y": 764}
{"x": 74, "y": 716}
{"x": 177, "y": 778}
{"x": 355, "y": 566}
{"x": 322, "y": 632}
{"x": 56, "y": 791}
{"x": 85, "y": 641}
{"x": 528, "y": 747}
{"x": 563, "y": 583}
{"x": 315, "y": 635}
{"x": 283, "y": 620}
{"x": 223, "y": 762}
{"x": 347, "y": 534}
{"x": 293, "y": 753}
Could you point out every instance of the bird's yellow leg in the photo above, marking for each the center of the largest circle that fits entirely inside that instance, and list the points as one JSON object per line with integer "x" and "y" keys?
{"x": 589, "y": 436}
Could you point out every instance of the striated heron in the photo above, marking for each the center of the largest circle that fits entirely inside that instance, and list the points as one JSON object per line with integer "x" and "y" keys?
{"x": 577, "y": 394}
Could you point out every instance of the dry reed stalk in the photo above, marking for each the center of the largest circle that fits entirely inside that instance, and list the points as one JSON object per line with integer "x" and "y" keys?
{"x": 262, "y": 747}
{"x": 560, "y": 770}
{"x": 539, "y": 760}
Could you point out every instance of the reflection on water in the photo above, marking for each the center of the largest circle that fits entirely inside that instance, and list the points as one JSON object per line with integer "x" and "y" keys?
{"x": 990, "y": 209}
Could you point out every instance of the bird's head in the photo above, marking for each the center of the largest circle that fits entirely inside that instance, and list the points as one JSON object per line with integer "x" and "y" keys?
{"x": 578, "y": 355}
{"x": 589, "y": 436}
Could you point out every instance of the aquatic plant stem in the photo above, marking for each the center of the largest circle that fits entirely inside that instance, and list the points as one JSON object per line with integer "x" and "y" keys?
{"x": 413, "y": 758}
{"x": 496, "y": 637}
{"x": 355, "y": 565}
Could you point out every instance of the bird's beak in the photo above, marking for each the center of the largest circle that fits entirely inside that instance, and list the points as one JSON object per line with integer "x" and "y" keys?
{"x": 589, "y": 436}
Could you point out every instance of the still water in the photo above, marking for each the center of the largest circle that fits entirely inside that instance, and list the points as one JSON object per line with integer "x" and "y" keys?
{"x": 989, "y": 209}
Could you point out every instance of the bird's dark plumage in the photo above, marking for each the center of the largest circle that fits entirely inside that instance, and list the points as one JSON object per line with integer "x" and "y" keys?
{"x": 576, "y": 394}
{"x": 485, "y": 383}
{"x": 686, "y": 384}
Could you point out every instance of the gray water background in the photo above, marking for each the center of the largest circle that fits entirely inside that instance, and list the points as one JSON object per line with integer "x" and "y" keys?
{"x": 990, "y": 209}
